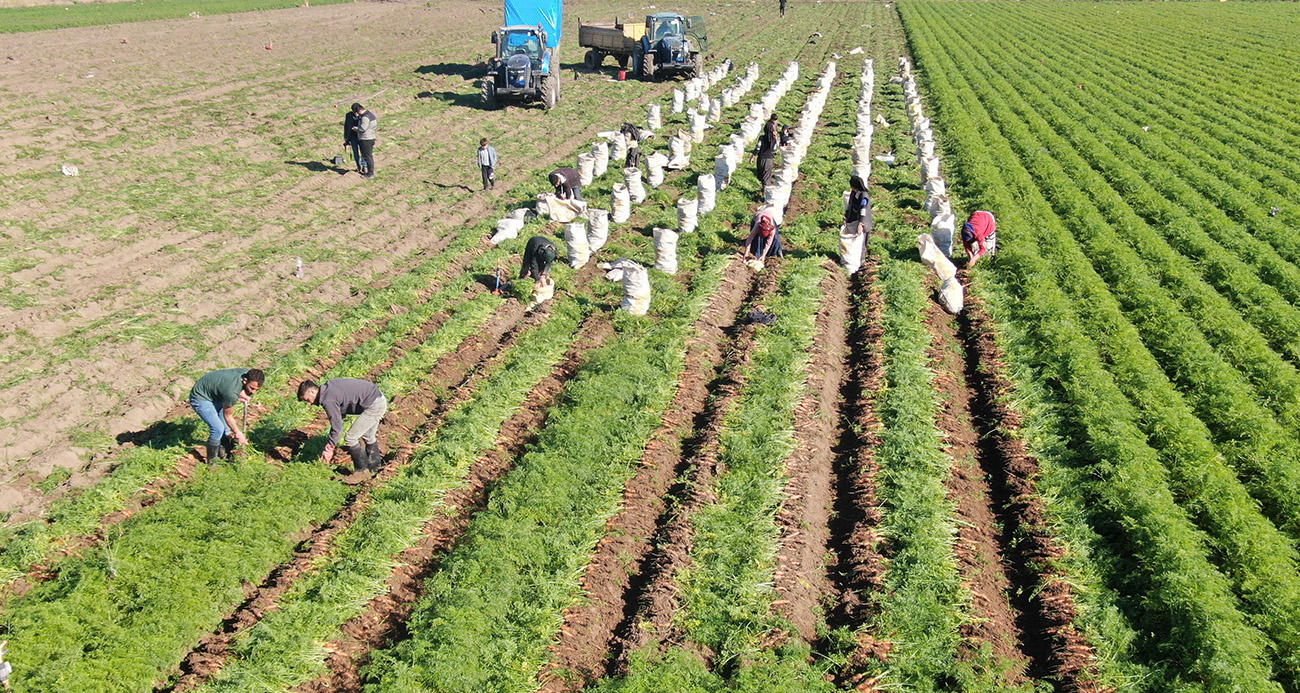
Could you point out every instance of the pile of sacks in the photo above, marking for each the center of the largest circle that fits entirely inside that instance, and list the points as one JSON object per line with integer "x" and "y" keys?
{"x": 852, "y": 243}
{"x": 777, "y": 195}
{"x": 731, "y": 154}
{"x": 943, "y": 221}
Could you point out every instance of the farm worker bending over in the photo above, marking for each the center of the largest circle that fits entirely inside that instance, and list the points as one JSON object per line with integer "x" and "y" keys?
{"x": 214, "y": 397}
{"x": 362, "y": 124}
{"x": 342, "y": 397}
{"x": 487, "y": 163}
{"x": 764, "y": 237}
{"x": 538, "y": 256}
{"x": 566, "y": 184}
{"x": 980, "y": 235}
{"x": 768, "y": 143}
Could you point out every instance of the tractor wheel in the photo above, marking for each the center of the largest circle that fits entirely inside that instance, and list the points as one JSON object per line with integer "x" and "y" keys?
{"x": 699, "y": 65}
{"x": 593, "y": 59}
{"x": 489, "y": 94}
{"x": 550, "y": 89}
{"x": 644, "y": 66}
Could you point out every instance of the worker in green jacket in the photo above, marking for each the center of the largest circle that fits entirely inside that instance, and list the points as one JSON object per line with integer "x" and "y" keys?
{"x": 214, "y": 397}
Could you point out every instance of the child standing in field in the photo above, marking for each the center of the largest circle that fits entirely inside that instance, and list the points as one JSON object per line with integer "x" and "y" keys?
{"x": 487, "y": 163}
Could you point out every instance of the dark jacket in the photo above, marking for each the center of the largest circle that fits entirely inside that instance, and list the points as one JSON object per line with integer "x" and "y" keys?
{"x": 768, "y": 141}
{"x": 571, "y": 180}
{"x": 538, "y": 256}
{"x": 858, "y": 208}
{"x": 342, "y": 397}
{"x": 350, "y": 121}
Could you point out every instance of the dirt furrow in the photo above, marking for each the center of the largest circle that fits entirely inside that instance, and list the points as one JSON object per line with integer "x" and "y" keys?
{"x": 859, "y": 569}
{"x": 385, "y": 617}
{"x": 1057, "y": 651}
{"x": 804, "y": 516}
{"x": 409, "y": 422}
{"x": 649, "y": 601}
{"x": 588, "y": 630}
{"x": 979, "y": 548}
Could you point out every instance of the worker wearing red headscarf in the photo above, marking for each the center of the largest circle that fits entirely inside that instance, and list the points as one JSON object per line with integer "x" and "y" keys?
{"x": 980, "y": 235}
{"x": 764, "y": 236}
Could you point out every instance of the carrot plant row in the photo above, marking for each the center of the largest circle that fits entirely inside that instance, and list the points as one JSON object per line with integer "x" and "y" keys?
{"x": 282, "y": 650}
{"x": 1144, "y": 479}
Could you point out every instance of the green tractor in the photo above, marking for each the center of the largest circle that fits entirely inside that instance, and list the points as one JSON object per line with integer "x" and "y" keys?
{"x": 672, "y": 46}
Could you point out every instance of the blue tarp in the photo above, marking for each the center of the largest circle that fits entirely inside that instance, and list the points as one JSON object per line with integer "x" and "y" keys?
{"x": 548, "y": 13}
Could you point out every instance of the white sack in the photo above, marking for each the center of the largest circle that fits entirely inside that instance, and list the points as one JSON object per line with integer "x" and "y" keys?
{"x": 942, "y": 229}
{"x": 688, "y": 214}
{"x": 652, "y": 119}
{"x": 636, "y": 290}
{"x": 600, "y": 150}
{"x": 575, "y": 236}
{"x": 934, "y": 258}
{"x": 506, "y": 229}
{"x": 852, "y": 245}
{"x": 666, "y": 250}
{"x": 622, "y": 204}
{"x": 951, "y": 296}
{"x": 565, "y": 211}
{"x": 707, "y": 188}
{"x": 598, "y": 231}
{"x": 632, "y": 176}
{"x": 543, "y": 291}
{"x": 586, "y": 169}
{"x": 679, "y": 101}
{"x": 655, "y": 169}
{"x": 678, "y": 160}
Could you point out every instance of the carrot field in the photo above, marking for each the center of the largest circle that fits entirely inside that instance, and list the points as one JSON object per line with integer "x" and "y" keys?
{"x": 1087, "y": 480}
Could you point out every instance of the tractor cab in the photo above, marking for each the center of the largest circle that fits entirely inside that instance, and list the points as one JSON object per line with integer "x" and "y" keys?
{"x": 672, "y": 45}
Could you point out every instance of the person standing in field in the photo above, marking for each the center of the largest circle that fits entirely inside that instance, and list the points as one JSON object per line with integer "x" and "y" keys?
{"x": 364, "y": 124}
{"x": 567, "y": 183}
{"x": 858, "y": 217}
{"x": 764, "y": 237}
{"x": 214, "y": 397}
{"x": 342, "y": 397}
{"x": 768, "y": 143}
{"x": 980, "y": 236}
{"x": 783, "y": 2}
{"x": 538, "y": 256}
{"x": 487, "y": 163}
{"x": 350, "y": 141}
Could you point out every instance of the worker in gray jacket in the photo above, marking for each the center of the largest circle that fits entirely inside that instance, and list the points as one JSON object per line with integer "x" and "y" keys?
{"x": 362, "y": 125}
{"x": 487, "y": 163}
{"x": 342, "y": 397}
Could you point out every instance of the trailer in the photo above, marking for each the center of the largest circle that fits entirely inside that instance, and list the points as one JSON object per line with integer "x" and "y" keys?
{"x": 617, "y": 40}
{"x": 667, "y": 44}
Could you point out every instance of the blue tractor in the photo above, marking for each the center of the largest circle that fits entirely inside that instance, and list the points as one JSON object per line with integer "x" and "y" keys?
{"x": 526, "y": 67}
{"x": 672, "y": 46}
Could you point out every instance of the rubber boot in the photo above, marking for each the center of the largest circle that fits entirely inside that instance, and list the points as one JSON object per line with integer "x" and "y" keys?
{"x": 360, "y": 462}
{"x": 215, "y": 453}
{"x": 375, "y": 456}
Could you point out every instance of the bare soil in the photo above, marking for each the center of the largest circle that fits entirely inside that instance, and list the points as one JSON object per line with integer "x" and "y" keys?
{"x": 588, "y": 631}
{"x": 203, "y": 176}
{"x": 1058, "y": 652}
{"x": 804, "y": 516}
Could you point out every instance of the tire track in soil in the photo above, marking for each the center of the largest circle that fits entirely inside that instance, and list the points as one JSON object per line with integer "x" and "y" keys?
{"x": 282, "y": 451}
{"x": 412, "y": 419}
{"x": 649, "y": 600}
{"x": 384, "y": 620}
{"x": 1057, "y": 651}
{"x": 978, "y": 548}
{"x": 805, "y": 514}
{"x": 859, "y": 568}
{"x": 588, "y": 630}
